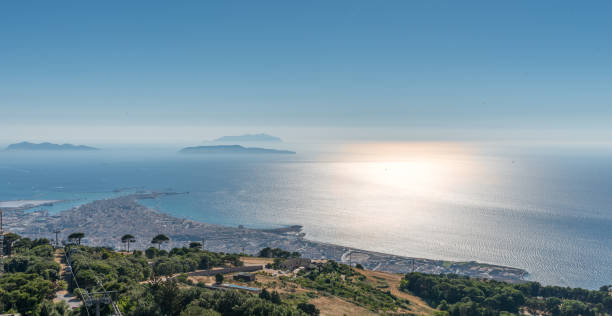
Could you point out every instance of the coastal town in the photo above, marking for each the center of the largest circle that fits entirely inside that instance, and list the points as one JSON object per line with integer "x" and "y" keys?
{"x": 104, "y": 222}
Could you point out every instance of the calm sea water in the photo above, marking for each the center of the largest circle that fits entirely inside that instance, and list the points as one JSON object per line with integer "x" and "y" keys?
{"x": 548, "y": 211}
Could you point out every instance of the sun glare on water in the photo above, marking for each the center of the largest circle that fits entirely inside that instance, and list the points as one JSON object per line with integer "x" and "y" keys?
{"x": 413, "y": 168}
{"x": 384, "y": 189}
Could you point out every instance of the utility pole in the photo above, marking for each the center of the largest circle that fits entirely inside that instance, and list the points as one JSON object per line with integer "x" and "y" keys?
{"x": 97, "y": 298}
{"x": 56, "y": 231}
{"x": 350, "y": 258}
{"x": 1, "y": 244}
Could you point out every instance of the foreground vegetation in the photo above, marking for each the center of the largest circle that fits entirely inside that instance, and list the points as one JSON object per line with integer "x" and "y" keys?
{"x": 30, "y": 278}
{"x": 153, "y": 282}
{"x": 141, "y": 291}
{"x": 119, "y": 269}
{"x": 343, "y": 281}
{"x": 458, "y": 295}
{"x": 135, "y": 281}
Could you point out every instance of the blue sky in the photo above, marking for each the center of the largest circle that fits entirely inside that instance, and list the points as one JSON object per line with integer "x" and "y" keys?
{"x": 393, "y": 69}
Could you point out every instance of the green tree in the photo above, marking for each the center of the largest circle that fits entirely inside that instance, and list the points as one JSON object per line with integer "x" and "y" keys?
{"x": 168, "y": 296}
{"x": 21, "y": 244}
{"x": 552, "y": 305}
{"x": 24, "y": 292}
{"x": 159, "y": 240}
{"x": 264, "y": 294}
{"x": 76, "y": 237}
{"x": 275, "y": 298}
{"x": 86, "y": 278}
{"x": 195, "y": 245}
{"x": 309, "y": 309}
{"x": 204, "y": 262}
{"x": 443, "y": 306}
{"x": 9, "y": 239}
{"x": 194, "y": 310}
{"x": 151, "y": 252}
{"x": 219, "y": 278}
{"x": 48, "y": 308}
{"x": 127, "y": 239}
{"x": 573, "y": 307}
{"x": 277, "y": 253}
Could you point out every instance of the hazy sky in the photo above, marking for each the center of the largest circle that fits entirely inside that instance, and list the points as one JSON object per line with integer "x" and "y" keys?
{"x": 147, "y": 70}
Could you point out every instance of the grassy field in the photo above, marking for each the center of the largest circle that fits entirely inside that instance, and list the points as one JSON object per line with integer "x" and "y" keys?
{"x": 392, "y": 280}
{"x": 332, "y": 305}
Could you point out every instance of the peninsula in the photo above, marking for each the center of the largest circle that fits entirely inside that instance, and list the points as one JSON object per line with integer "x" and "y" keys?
{"x": 105, "y": 221}
{"x": 49, "y": 146}
{"x": 232, "y": 149}
{"x": 249, "y": 138}
{"x": 25, "y": 204}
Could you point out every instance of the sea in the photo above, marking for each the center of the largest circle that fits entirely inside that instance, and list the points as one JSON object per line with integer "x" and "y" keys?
{"x": 546, "y": 208}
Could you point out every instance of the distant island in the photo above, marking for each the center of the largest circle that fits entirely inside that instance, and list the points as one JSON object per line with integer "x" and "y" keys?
{"x": 249, "y": 138}
{"x": 232, "y": 149}
{"x": 49, "y": 146}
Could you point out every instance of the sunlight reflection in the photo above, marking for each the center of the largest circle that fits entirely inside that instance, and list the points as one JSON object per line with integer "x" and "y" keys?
{"x": 414, "y": 168}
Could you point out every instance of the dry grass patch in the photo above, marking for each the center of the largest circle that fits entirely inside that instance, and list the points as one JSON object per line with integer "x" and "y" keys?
{"x": 203, "y": 279}
{"x": 335, "y": 306}
{"x": 272, "y": 283}
{"x": 417, "y": 305}
{"x": 255, "y": 261}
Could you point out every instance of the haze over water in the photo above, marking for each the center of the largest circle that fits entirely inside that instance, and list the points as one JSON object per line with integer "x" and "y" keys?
{"x": 547, "y": 210}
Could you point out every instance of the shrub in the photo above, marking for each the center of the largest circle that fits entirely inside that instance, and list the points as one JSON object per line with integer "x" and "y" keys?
{"x": 219, "y": 278}
{"x": 309, "y": 309}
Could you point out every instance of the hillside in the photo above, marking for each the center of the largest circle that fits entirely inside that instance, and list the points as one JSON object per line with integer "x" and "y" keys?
{"x": 41, "y": 280}
{"x": 232, "y": 149}
{"x": 160, "y": 282}
{"x": 249, "y": 138}
{"x": 49, "y": 147}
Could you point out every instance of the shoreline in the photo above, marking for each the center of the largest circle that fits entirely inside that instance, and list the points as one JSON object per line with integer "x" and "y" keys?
{"x": 18, "y": 205}
{"x": 105, "y": 221}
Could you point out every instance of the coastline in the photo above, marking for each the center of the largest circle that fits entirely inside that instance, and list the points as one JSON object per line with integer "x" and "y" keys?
{"x": 105, "y": 221}
{"x": 18, "y": 205}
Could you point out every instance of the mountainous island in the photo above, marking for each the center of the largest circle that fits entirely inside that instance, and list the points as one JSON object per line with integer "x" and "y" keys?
{"x": 49, "y": 146}
{"x": 232, "y": 149}
{"x": 249, "y": 138}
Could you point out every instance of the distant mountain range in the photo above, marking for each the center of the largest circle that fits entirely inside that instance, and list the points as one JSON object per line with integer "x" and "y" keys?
{"x": 232, "y": 149}
{"x": 49, "y": 146}
{"x": 249, "y": 138}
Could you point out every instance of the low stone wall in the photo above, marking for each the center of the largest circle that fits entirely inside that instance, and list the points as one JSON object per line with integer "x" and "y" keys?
{"x": 225, "y": 271}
